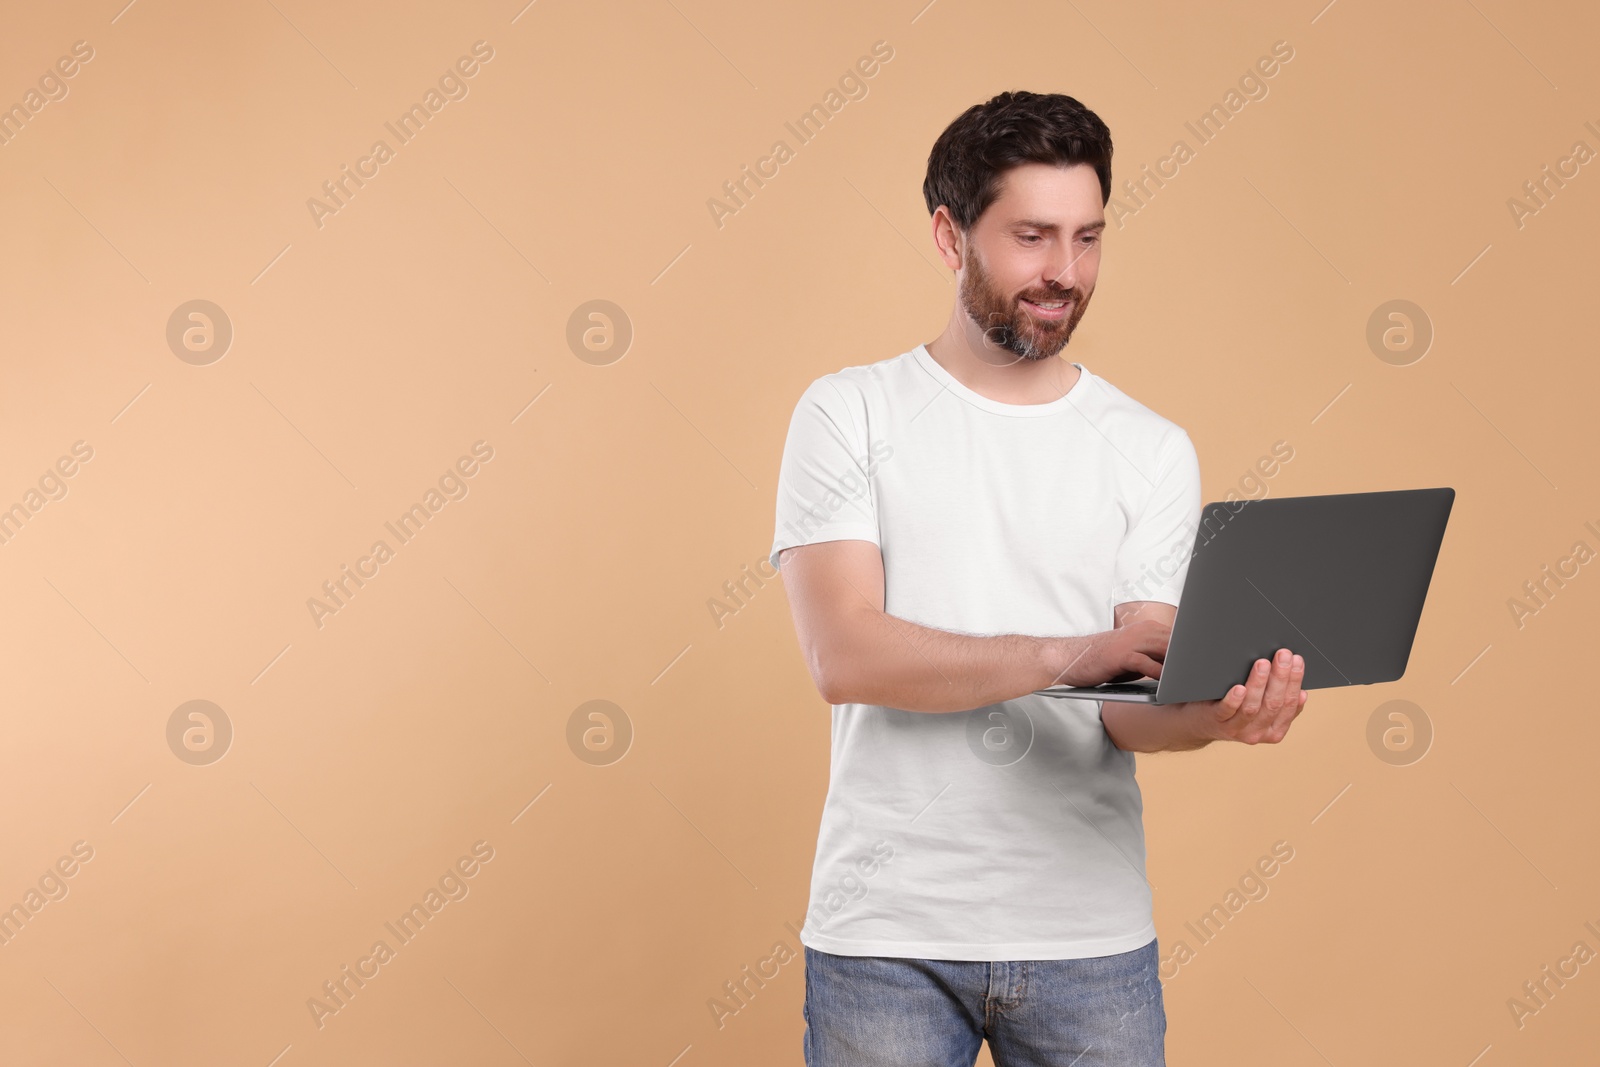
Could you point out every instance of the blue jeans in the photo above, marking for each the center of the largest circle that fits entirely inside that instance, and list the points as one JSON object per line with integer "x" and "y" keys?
{"x": 880, "y": 1011}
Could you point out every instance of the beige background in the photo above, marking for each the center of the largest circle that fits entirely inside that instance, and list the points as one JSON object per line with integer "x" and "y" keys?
{"x": 431, "y": 311}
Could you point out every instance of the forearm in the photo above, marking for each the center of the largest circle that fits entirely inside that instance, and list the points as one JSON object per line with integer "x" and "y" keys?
{"x": 1154, "y": 727}
{"x": 884, "y": 660}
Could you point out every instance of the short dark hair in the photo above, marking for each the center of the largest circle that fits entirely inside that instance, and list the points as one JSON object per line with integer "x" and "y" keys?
{"x": 974, "y": 152}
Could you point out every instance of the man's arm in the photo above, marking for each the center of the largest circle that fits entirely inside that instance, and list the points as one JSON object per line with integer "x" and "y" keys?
{"x": 858, "y": 654}
{"x": 1258, "y": 711}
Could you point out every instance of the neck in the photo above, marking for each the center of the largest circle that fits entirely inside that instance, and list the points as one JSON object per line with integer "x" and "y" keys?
{"x": 998, "y": 373}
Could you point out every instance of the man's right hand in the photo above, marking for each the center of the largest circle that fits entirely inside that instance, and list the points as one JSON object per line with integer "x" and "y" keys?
{"x": 1136, "y": 649}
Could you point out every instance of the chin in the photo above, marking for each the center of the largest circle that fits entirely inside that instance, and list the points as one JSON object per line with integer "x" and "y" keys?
{"x": 1046, "y": 350}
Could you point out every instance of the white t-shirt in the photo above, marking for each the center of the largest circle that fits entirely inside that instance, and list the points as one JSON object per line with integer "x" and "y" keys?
{"x": 1011, "y": 832}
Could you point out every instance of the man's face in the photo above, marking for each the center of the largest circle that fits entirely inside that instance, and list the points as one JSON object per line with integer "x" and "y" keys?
{"x": 1039, "y": 242}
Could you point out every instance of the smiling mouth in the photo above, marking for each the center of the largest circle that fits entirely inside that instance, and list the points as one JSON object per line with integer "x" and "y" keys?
{"x": 1053, "y": 309}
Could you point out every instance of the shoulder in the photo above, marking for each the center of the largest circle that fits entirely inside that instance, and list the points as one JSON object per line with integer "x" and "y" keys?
{"x": 1127, "y": 420}
{"x": 852, "y": 391}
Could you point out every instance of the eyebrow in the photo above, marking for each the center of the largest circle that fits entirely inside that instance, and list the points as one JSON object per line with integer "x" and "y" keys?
{"x": 1050, "y": 227}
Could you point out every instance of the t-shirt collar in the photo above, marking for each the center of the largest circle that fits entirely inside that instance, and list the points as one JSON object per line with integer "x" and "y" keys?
{"x": 949, "y": 381}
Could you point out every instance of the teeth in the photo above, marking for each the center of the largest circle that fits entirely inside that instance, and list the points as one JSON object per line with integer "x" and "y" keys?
{"x": 1057, "y": 304}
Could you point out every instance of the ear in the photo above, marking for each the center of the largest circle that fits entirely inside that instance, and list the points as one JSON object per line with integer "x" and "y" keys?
{"x": 947, "y": 238}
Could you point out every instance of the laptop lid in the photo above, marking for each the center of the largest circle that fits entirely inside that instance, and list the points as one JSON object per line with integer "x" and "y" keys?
{"x": 1338, "y": 578}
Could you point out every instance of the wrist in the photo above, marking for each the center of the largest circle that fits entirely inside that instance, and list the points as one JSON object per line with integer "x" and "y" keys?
{"x": 1070, "y": 660}
{"x": 1200, "y": 721}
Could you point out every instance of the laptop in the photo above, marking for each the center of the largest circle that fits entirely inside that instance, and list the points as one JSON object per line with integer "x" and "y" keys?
{"x": 1339, "y": 579}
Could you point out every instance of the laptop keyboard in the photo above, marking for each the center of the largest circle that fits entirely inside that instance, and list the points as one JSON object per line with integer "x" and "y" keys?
{"x": 1148, "y": 685}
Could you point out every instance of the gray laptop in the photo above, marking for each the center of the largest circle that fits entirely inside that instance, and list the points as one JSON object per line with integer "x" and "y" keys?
{"x": 1339, "y": 579}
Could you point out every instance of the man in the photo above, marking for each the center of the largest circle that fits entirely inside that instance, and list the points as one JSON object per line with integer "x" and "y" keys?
{"x": 958, "y": 527}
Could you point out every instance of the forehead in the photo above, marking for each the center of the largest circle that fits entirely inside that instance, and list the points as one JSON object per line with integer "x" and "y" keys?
{"x": 1068, "y": 197}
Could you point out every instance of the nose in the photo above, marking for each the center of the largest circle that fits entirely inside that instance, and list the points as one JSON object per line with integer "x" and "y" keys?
{"x": 1062, "y": 270}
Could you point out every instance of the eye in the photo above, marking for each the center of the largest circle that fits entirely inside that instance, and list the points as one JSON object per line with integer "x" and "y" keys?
{"x": 1031, "y": 237}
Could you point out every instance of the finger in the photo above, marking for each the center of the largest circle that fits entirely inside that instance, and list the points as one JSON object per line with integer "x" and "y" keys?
{"x": 1150, "y": 667}
{"x": 1280, "y": 728}
{"x": 1154, "y": 639}
{"x": 1154, "y": 645}
{"x": 1254, "y": 688}
{"x": 1293, "y": 697}
{"x": 1277, "y": 681}
{"x": 1230, "y": 703}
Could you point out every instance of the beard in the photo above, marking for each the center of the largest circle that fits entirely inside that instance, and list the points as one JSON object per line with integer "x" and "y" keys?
{"x": 1007, "y": 324}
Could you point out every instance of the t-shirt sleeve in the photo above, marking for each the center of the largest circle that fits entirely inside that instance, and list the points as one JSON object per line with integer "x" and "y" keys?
{"x": 824, "y": 493}
{"x": 1153, "y": 559}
